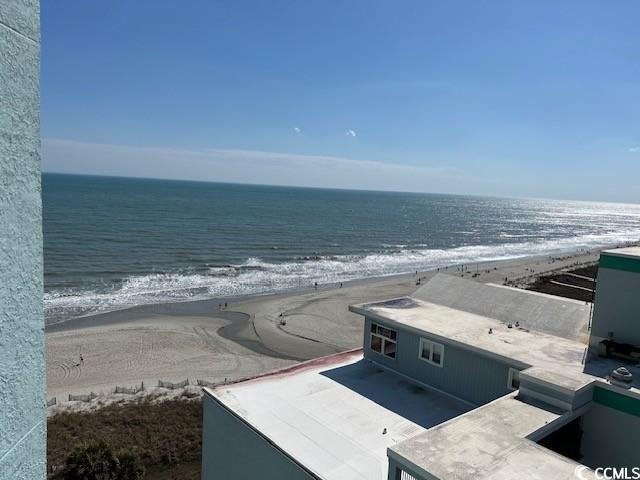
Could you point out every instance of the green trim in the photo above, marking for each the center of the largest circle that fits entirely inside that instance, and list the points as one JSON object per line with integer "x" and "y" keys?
{"x": 622, "y": 403}
{"x": 627, "y": 264}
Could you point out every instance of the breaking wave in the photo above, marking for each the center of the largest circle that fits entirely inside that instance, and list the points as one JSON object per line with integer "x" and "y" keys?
{"x": 256, "y": 276}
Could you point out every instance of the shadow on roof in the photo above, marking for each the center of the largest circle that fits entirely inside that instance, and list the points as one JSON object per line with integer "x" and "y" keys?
{"x": 423, "y": 407}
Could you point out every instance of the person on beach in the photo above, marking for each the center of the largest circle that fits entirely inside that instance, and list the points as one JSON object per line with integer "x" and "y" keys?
{"x": 315, "y": 285}
{"x": 225, "y": 305}
{"x": 81, "y": 360}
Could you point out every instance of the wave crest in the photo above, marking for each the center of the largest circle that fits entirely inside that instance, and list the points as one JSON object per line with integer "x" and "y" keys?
{"x": 255, "y": 275}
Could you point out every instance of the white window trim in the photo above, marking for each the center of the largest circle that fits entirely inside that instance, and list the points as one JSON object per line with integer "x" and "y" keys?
{"x": 512, "y": 372}
{"x": 428, "y": 360}
{"x": 384, "y": 340}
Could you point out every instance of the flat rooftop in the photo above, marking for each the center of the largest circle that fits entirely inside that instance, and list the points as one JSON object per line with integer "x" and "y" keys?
{"x": 496, "y": 440}
{"x": 631, "y": 252}
{"x": 342, "y": 416}
{"x": 560, "y": 317}
{"x": 491, "y": 441}
{"x": 516, "y": 345}
{"x": 329, "y": 414}
{"x": 550, "y": 359}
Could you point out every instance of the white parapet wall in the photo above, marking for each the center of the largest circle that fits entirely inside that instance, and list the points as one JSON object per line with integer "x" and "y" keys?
{"x": 22, "y": 383}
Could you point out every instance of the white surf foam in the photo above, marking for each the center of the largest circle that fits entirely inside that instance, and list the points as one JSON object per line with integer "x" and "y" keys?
{"x": 256, "y": 276}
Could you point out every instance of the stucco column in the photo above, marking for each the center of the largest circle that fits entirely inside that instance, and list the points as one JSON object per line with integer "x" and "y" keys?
{"x": 22, "y": 379}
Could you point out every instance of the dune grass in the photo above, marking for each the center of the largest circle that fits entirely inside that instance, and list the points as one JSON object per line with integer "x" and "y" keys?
{"x": 166, "y": 436}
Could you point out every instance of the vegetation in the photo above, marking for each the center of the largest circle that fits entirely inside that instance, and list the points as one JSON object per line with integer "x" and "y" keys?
{"x": 97, "y": 461}
{"x": 563, "y": 284}
{"x": 165, "y": 438}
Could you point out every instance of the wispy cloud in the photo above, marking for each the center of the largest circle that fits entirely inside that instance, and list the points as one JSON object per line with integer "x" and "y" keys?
{"x": 351, "y": 133}
{"x": 297, "y": 130}
{"x": 634, "y": 149}
{"x": 247, "y": 166}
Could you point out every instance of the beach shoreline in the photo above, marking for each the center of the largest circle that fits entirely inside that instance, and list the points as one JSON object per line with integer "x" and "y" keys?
{"x": 254, "y": 334}
{"x": 203, "y": 306}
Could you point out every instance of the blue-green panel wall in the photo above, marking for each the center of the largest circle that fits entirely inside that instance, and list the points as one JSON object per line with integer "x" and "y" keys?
{"x": 467, "y": 375}
{"x": 232, "y": 450}
{"x": 616, "y": 304}
{"x": 22, "y": 383}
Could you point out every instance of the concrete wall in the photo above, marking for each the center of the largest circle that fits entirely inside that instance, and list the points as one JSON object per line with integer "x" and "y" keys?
{"x": 617, "y": 306}
{"x": 464, "y": 374}
{"x": 22, "y": 385}
{"x": 611, "y": 438}
{"x": 232, "y": 450}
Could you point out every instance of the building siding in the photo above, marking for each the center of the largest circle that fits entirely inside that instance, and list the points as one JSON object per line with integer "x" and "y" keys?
{"x": 616, "y": 306}
{"x": 616, "y": 262}
{"x": 464, "y": 374}
{"x": 22, "y": 383}
{"x": 611, "y": 437}
{"x": 232, "y": 450}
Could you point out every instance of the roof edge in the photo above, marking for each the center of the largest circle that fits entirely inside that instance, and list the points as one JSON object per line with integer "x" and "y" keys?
{"x": 298, "y": 367}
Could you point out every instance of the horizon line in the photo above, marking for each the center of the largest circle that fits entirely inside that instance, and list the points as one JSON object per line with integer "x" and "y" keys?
{"x": 304, "y": 187}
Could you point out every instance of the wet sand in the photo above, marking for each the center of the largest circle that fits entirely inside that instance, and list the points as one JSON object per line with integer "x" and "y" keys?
{"x": 196, "y": 340}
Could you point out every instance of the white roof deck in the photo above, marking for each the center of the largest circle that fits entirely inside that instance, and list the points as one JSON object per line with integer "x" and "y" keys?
{"x": 471, "y": 331}
{"x": 630, "y": 252}
{"x": 549, "y": 314}
{"x": 554, "y": 360}
{"x": 329, "y": 414}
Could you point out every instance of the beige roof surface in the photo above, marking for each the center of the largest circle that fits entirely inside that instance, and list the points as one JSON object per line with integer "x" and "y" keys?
{"x": 517, "y": 344}
{"x": 488, "y": 442}
{"x": 624, "y": 252}
{"x": 329, "y": 414}
{"x": 544, "y": 313}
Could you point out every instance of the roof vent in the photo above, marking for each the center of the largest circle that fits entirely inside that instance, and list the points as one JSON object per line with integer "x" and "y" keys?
{"x": 621, "y": 376}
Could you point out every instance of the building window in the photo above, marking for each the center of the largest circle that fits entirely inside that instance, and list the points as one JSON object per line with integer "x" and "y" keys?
{"x": 431, "y": 352}
{"x": 402, "y": 475}
{"x": 383, "y": 340}
{"x": 514, "y": 379}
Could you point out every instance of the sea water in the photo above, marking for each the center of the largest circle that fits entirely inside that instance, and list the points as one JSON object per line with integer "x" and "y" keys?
{"x": 110, "y": 243}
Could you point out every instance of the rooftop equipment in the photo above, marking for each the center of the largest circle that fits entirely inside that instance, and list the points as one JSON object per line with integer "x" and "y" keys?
{"x": 622, "y": 377}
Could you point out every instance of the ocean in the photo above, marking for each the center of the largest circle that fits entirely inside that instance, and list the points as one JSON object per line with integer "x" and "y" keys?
{"x": 112, "y": 243}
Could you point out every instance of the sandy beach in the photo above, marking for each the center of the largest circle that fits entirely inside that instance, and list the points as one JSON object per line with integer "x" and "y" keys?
{"x": 197, "y": 340}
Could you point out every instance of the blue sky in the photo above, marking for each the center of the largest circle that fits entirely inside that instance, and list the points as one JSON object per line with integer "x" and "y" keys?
{"x": 500, "y": 98}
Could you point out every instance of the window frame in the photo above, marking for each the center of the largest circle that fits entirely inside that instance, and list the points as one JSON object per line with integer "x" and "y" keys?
{"x": 373, "y": 332}
{"x": 432, "y": 344}
{"x": 513, "y": 372}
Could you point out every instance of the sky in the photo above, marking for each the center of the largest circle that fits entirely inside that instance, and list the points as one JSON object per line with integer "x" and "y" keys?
{"x": 507, "y": 98}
